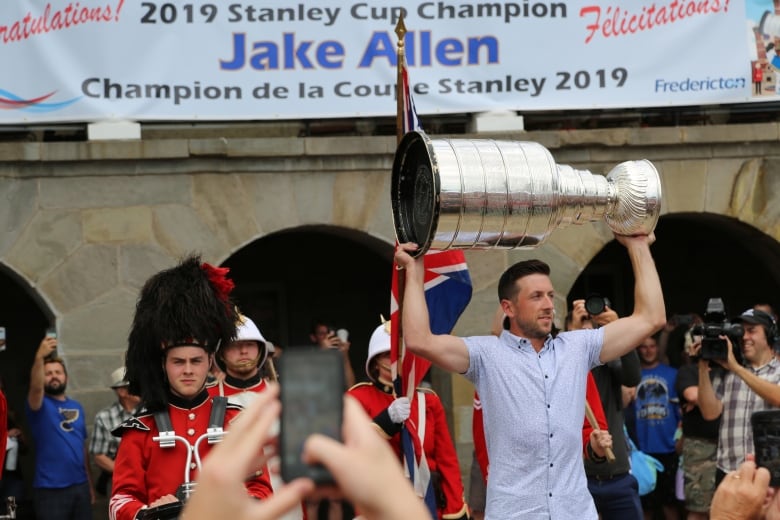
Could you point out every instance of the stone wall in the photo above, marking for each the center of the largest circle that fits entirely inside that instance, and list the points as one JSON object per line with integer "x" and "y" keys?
{"x": 84, "y": 224}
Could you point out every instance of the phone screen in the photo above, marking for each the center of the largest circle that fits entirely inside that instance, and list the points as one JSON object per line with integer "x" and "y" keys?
{"x": 766, "y": 441}
{"x": 51, "y": 332}
{"x": 312, "y": 390}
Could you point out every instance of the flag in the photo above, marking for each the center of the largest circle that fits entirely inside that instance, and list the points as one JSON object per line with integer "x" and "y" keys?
{"x": 447, "y": 293}
{"x": 448, "y": 290}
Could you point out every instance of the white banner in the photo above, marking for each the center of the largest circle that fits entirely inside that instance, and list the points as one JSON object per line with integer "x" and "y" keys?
{"x": 92, "y": 60}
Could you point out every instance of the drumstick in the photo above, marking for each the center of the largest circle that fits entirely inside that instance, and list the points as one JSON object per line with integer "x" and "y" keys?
{"x": 595, "y": 425}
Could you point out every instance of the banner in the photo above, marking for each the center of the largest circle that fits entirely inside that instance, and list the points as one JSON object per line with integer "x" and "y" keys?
{"x": 178, "y": 60}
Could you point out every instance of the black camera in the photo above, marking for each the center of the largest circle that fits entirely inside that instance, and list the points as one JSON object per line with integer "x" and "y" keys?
{"x": 596, "y": 304}
{"x": 716, "y": 325}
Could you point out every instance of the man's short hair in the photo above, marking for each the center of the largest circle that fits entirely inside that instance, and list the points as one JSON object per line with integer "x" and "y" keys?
{"x": 52, "y": 359}
{"x": 507, "y": 289}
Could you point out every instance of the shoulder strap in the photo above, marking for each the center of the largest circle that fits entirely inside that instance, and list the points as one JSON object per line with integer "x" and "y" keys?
{"x": 163, "y": 422}
{"x": 218, "y": 407}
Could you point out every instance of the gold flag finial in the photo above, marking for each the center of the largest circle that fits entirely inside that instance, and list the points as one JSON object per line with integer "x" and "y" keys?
{"x": 400, "y": 30}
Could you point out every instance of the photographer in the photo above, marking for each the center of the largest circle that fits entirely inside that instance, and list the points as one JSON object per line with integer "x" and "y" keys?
{"x": 324, "y": 336}
{"x": 742, "y": 390}
{"x": 612, "y": 486}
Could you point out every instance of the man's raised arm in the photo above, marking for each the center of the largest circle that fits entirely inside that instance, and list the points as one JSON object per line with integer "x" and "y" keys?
{"x": 649, "y": 312}
{"x": 443, "y": 350}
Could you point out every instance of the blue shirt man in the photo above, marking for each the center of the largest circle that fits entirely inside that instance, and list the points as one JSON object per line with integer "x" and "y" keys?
{"x": 61, "y": 481}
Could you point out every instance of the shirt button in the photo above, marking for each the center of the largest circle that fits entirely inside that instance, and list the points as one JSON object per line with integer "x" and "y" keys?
{"x": 551, "y": 464}
{"x": 546, "y": 376}
{"x": 551, "y": 435}
{"x": 548, "y": 406}
{"x": 192, "y": 416}
{"x": 191, "y": 432}
{"x": 193, "y": 465}
{"x": 550, "y": 494}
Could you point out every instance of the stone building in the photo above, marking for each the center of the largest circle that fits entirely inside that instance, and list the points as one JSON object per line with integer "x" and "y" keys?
{"x": 306, "y": 227}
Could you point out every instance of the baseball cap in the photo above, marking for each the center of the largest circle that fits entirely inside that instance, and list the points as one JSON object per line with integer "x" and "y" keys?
{"x": 118, "y": 378}
{"x": 757, "y": 317}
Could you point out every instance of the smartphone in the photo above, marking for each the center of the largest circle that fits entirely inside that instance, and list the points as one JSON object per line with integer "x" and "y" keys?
{"x": 766, "y": 441}
{"x": 51, "y": 332}
{"x": 312, "y": 385}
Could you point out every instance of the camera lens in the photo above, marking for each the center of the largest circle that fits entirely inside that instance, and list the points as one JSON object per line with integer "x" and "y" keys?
{"x": 596, "y": 304}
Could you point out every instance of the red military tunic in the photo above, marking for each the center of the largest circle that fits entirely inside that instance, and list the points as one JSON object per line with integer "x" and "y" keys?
{"x": 3, "y": 428}
{"x": 144, "y": 471}
{"x": 233, "y": 387}
{"x": 437, "y": 444}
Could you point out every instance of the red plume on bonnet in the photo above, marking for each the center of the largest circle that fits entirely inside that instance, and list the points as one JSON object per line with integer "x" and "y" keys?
{"x": 219, "y": 281}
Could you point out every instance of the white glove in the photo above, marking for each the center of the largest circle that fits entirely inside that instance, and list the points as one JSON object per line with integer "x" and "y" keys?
{"x": 399, "y": 410}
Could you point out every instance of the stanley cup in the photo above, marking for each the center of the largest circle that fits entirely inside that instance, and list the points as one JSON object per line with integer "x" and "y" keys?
{"x": 486, "y": 194}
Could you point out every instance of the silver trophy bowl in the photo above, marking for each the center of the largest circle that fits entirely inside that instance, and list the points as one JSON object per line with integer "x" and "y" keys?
{"x": 486, "y": 194}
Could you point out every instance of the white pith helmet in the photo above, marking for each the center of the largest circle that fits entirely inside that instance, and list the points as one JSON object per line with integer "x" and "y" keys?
{"x": 246, "y": 330}
{"x": 378, "y": 344}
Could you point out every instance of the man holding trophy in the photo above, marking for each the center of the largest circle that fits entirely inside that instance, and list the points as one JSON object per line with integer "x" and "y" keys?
{"x": 532, "y": 386}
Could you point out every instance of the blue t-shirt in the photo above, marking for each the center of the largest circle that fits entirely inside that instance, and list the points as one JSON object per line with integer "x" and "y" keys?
{"x": 60, "y": 432}
{"x": 657, "y": 409}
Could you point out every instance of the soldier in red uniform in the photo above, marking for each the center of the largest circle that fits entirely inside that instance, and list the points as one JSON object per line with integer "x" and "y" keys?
{"x": 182, "y": 316}
{"x": 390, "y": 412}
{"x": 241, "y": 360}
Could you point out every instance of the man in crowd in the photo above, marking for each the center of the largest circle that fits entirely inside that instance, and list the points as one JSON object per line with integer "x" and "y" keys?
{"x": 613, "y": 487}
{"x": 532, "y": 385}
{"x": 657, "y": 417}
{"x": 742, "y": 390}
{"x": 324, "y": 336}
{"x": 61, "y": 485}
{"x": 700, "y": 440}
{"x": 103, "y": 445}
{"x": 182, "y": 315}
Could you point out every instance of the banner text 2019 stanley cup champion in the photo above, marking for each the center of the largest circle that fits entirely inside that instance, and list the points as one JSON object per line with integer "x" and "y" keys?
{"x": 180, "y": 60}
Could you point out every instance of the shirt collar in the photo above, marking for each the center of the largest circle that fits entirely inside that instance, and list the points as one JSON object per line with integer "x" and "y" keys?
{"x": 243, "y": 383}
{"x": 521, "y": 342}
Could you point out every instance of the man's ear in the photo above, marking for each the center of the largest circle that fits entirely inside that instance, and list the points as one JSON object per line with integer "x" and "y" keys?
{"x": 506, "y": 306}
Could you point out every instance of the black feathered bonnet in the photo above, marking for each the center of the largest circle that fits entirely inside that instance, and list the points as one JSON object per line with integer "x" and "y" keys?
{"x": 187, "y": 305}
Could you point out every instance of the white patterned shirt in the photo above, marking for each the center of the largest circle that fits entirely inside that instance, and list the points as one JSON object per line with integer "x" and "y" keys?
{"x": 533, "y": 406}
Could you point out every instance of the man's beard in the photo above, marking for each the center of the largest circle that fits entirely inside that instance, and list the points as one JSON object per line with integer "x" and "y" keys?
{"x": 245, "y": 370}
{"x": 59, "y": 389}
{"x": 533, "y": 330}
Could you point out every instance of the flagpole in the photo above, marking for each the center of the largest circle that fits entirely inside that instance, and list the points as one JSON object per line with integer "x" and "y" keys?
{"x": 400, "y": 31}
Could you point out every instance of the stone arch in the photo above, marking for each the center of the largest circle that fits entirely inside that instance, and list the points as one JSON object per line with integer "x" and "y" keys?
{"x": 286, "y": 279}
{"x": 25, "y": 315}
{"x": 698, "y": 256}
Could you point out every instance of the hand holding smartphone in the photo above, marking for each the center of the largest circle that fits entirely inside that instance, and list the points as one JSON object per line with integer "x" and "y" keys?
{"x": 51, "y": 333}
{"x": 766, "y": 441}
{"x": 311, "y": 391}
